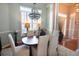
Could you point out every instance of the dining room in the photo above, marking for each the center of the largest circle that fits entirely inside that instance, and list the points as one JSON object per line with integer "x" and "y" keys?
{"x": 37, "y": 29}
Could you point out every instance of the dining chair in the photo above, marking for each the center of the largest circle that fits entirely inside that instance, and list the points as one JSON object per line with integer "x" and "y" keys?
{"x": 76, "y": 52}
{"x": 37, "y": 33}
{"x": 0, "y": 46}
{"x": 42, "y": 46}
{"x": 19, "y": 50}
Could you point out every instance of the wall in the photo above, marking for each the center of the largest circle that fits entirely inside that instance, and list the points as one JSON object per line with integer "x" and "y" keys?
{"x": 72, "y": 31}
{"x": 66, "y": 9}
{"x": 4, "y": 23}
{"x": 4, "y": 17}
{"x": 70, "y": 9}
{"x": 63, "y": 9}
{"x": 14, "y": 17}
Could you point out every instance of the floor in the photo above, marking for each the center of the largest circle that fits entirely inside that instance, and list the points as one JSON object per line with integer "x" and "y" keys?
{"x": 6, "y": 52}
{"x": 71, "y": 44}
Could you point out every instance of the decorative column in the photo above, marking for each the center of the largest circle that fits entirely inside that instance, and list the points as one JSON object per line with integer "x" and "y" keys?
{"x": 54, "y": 30}
{"x": 50, "y": 17}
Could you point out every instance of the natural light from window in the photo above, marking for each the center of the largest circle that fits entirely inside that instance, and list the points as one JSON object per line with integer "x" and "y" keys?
{"x": 24, "y": 17}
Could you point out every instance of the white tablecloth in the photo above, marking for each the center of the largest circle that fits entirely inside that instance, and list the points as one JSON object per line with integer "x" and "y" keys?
{"x": 30, "y": 41}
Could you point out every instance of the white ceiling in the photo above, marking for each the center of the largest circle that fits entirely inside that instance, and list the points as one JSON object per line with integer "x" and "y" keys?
{"x": 38, "y": 5}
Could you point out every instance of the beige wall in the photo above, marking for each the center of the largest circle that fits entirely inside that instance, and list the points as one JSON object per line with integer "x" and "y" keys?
{"x": 67, "y": 9}
{"x": 70, "y": 9}
{"x": 63, "y": 9}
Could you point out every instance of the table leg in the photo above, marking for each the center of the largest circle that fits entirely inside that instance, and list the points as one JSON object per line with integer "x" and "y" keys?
{"x": 30, "y": 50}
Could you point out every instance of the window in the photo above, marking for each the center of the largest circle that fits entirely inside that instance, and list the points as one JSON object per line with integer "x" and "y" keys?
{"x": 24, "y": 16}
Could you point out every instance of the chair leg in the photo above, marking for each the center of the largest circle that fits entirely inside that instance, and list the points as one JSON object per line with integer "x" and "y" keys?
{"x": 0, "y": 53}
{"x": 57, "y": 51}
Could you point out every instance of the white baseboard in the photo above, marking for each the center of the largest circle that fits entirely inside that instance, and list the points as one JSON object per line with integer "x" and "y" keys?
{"x": 5, "y": 46}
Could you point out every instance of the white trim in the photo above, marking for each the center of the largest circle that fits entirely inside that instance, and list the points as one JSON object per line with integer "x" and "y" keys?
{"x": 50, "y": 18}
{"x": 56, "y": 17}
{"x": 4, "y": 46}
{"x": 9, "y": 31}
{"x": 4, "y": 32}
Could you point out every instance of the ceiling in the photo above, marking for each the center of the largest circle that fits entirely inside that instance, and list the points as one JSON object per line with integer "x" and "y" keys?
{"x": 70, "y": 4}
{"x": 38, "y": 5}
{"x": 68, "y": 7}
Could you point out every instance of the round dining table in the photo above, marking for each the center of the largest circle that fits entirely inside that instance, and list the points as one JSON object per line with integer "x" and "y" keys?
{"x": 32, "y": 41}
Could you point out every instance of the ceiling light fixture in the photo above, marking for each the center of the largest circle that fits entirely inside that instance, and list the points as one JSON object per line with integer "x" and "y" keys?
{"x": 34, "y": 13}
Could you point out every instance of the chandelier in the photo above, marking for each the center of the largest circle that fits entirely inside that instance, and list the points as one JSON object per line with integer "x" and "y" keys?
{"x": 34, "y": 13}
